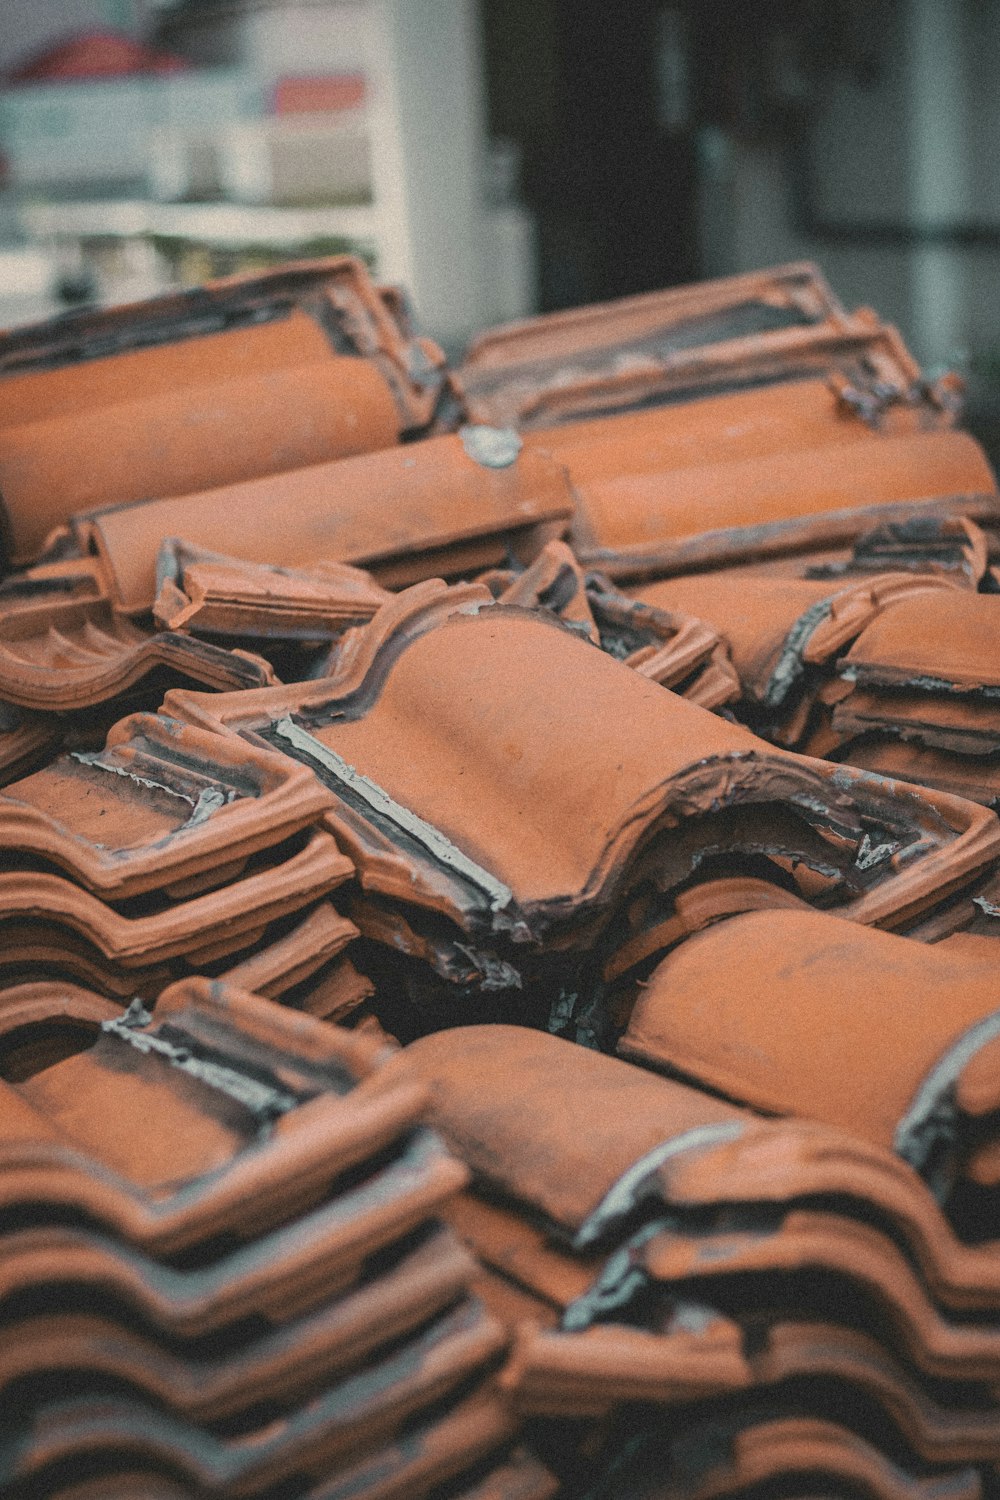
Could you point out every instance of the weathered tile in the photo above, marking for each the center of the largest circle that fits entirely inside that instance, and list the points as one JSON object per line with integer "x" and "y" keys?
{"x": 250, "y": 375}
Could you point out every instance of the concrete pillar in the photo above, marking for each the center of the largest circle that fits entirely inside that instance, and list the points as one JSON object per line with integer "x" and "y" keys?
{"x": 939, "y": 174}
{"x": 428, "y": 127}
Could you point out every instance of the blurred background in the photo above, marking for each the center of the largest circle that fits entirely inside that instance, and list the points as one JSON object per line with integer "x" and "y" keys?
{"x": 500, "y": 157}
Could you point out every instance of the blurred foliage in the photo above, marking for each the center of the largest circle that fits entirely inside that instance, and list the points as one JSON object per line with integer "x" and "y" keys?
{"x": 194, "y": 261}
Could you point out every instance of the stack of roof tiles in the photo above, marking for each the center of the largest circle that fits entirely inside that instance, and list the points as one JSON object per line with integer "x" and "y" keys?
{"x": 915, "y": 1072}
{"x": 221, "y": 1269}
{"x": 523, "y": 859}
{"x": 168, "y": 851}
{"x": 630, "y": 689}
{"x": 710, "y": 1300}
{"x": 892, "y": 668}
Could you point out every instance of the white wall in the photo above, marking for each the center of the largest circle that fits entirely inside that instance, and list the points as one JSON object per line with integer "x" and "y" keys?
{"x": 921, "y": 147}
{"x": 29, "y": 26}
{"x": 982, "y": 267}
{"x": 426, "y": 108}
{"x": 763, "y": 235}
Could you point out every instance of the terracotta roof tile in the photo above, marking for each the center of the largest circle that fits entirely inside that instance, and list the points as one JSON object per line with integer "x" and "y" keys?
{"x": 178, "y": 378}
{"x": 234, "y": 1255}
{"x": 795, "y": 1031}
{"x": 473, "y": 811}
{"x": 407, "y": 513}
{"x": 668, "y": 647}
{"x": 316, "y": 1440}
{"x": 74, "y": 655}
{"x": 162, "y": 801}
{"x": 226, "y": 915}
{"x": 226, "y": 1210}
{"x": 569, "y": 364}
{"x": 745, "y": 1450}
{"x": 423, "y": 1461}
{"x": 220, "y": 596}
{"x": 771, "y": 1290}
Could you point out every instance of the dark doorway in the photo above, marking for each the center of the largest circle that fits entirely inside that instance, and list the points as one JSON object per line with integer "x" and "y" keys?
{"x": 608, "y": 168}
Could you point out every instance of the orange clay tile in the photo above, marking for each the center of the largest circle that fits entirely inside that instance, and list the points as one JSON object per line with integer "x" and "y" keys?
{"x": 669, "y": 345}
{"x": 937, "y": 1433}
{"x": 793, "y": 1028}
{"x": 463, "y": 786}
{"x": 965, "y": 723}
{"x": 213, "y": 595}
{"x": 63, "y": 577}
{"x": 752, "y": 474}
{"x": 780, "y": 626}
{"x": 736, "y": 427}
{"x": 279, "y": 1275}
{"x": 606, "y": 1364}
{"x": 955, "y": 651}
{"x": 919, "y": 690}
{"x": 697, "y": 1354}
{"x": 589, "y": 1373}
{"x": 408, "y": 513}
{"x": 295, "y": 957}
{"x": 144, "y": 1062}
{"x": 301, "y": 954}
{"x": 554, "y": 581}
{"x": 247, "y": 1155}
{"x": 670, "y": 648}
{"x": 803, "y": 1163}
{"x": 974, "y": 911}
{"x": 643, "y": 525}
{"x": 289, "y": 1363}
{"x": 590, "y": 1144}
{"x": 795, "y": 292}
{"x": 956, "y": 547}
{"x": 74, "y": 655}
{"x": 694, "y": 1351}
{"x": 369, "y": 1026}
{"x": 25, "y": 740}
{"x": 574, "y": 1125}
{"x": 928, "y": 544}
{"x": 431, "y": 1454}
{"x": 694, "y": 909}
{"x": 748, "y": 1451}
{"x": 42, "y": 1021}
{"x": 316, "y": 1441}
{"x": 160, "y": 803}
{"x": 797, "y": 1167}
{"x": 518, "y": 1250}
{"x": 974, "y": 776}
{"x": 793, "y": 549}
{"x": 423, "y": 1461}
{"x": 822, "y": 1449}
{"x": 337, "y": 992}
{"x": 250, "y": 376}
{"x": 809, "y": 1259}
{"x": 223, "y": 918}
{"x": 371, "y": 317}
{"x": 37, "y": 950}
{"x": 667, "y": 646}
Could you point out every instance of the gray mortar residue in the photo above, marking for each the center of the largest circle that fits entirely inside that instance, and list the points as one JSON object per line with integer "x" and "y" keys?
{"x": 263, "y": 1100}
{"x": 430, "y": 838}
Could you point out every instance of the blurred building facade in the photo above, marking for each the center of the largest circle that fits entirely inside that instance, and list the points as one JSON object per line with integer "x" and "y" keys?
{"x": 498, "y": 156}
